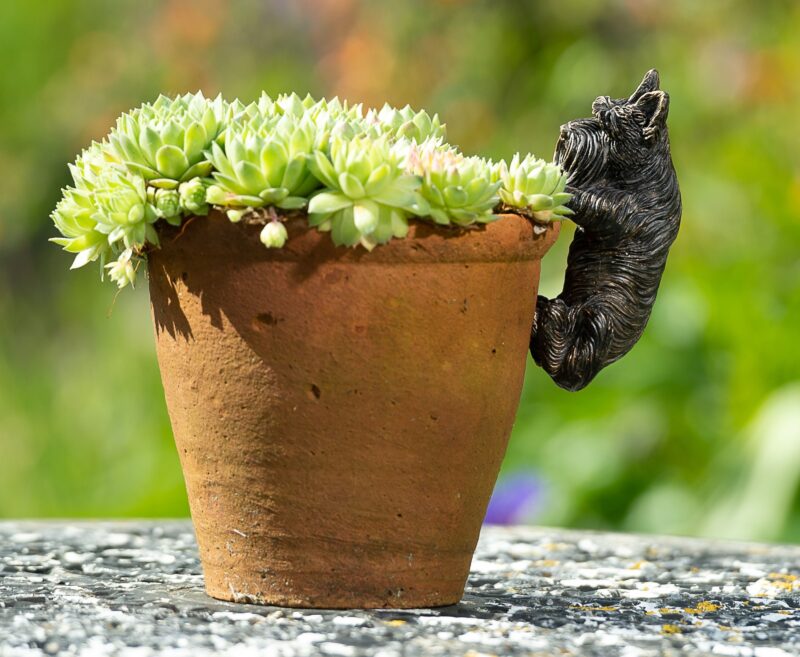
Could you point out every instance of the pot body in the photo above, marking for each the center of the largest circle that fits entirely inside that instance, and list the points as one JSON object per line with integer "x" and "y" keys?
{"x": 340, "y": 415}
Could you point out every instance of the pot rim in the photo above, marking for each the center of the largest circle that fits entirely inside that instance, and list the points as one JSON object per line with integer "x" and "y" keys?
{"x": 510, "y": 238}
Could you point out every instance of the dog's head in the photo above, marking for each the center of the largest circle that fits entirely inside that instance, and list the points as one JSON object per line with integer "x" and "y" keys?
{"x": 621, "y": 135}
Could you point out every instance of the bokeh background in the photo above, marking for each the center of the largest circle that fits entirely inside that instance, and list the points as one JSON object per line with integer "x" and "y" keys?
{"x": 696, "y": 431}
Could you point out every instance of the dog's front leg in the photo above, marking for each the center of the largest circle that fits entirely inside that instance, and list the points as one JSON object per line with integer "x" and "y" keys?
{"x": 601, "y": 211}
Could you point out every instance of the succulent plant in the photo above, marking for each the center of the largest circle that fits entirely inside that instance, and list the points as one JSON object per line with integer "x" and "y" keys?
{"x": 368, "y": 195}
{"x": 362, "y": 176}
{"x": 458, "y": 189}
{"x": 107, "y": 205}
{"x": 290, "y": 104}
{"x": 534, "y": 185}
{"x": 74, "y": 217}
{"x": 263, "y": 165}
{"x": 123, "y": 210}
{"x": 90, "y": 165}
{"x": 333, "y": 118}
{"x": 407, "y": 124}
{"x": 165, "y": 142}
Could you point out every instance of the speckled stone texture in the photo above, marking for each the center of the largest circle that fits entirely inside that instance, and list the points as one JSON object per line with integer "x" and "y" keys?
{"x": 134, "y": 589}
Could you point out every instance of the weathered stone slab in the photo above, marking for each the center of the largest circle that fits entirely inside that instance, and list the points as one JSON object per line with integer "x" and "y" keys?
{"x": 134, "y": 589}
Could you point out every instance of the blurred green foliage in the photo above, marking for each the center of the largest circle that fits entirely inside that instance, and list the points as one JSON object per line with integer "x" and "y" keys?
{"x": 696, "y": 431}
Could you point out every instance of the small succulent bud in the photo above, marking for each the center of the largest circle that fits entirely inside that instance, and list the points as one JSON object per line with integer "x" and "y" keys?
{"x": 122, "y": 271}
{"x": 167, "y": 202}
{"x": 216, "y": 195}
{"x": 236, "y": 215}
{"x": 193, "y": 196}
{"x": 274, "y": 235}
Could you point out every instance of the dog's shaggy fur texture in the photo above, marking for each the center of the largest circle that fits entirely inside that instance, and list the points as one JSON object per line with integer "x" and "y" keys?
{"x": 628, "y": 207}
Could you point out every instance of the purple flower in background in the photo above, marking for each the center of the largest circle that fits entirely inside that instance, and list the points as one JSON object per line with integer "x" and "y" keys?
{"x": 515, "y": 500}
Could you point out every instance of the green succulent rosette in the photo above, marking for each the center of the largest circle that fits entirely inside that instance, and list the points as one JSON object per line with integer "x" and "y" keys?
{"x": 166, "y": 142}
{"x": 368, "y": 193}
{"x": 124, "y": 212}
{"x": 264, "y": 166}
{"x": 193, "y": 196}
{"x": 106, "y": 207}
{"x": 535, "y": 186}
{"x": 458, "y": 189}
{"x": 75, "y": 218}
{"x": 405, "y": 123}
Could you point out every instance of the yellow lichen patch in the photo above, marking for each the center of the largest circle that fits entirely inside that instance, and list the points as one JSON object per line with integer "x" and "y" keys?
{"x": 589, "y": 608}
{"x": 669, "y": 610}
{"x": 670, "y": 629}
{"x": 784, "y": 581}
{"x": 554, "y": 547}
{"x": 774, "y": 585}
{"x": 702, "y": 608}
{"x": 786, "y": 577}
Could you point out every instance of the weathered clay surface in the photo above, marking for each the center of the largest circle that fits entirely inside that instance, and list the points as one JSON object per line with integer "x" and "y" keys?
{"x": 135, "y": 589}
{"x": 341, "y": 415}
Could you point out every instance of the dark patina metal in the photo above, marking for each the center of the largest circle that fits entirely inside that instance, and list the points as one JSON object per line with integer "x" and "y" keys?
{"x": 627, "y": 207}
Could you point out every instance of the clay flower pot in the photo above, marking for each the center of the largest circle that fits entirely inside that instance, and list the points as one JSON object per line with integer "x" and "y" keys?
{"x": 341, "y": 415}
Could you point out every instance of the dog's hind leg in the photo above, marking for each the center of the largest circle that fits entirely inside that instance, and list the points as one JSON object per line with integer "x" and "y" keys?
{"x": 567, "y": 341}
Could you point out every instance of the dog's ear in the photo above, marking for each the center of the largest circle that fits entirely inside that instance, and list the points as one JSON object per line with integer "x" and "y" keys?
{"x": 649, "y": 83}
{"x": 655, "y": 107}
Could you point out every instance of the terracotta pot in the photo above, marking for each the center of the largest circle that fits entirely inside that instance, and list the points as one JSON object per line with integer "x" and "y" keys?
{"x": 341, "y": 415}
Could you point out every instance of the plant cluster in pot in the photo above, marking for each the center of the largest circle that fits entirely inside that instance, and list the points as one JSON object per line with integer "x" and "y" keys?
{"x": 343, "y": 304}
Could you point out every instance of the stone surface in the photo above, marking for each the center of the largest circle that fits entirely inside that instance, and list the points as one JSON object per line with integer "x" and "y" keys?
{"x": 135, "y": 589}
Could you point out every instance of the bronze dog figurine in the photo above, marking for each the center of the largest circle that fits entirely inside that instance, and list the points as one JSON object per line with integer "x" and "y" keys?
{"x": 627, "y": 207}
